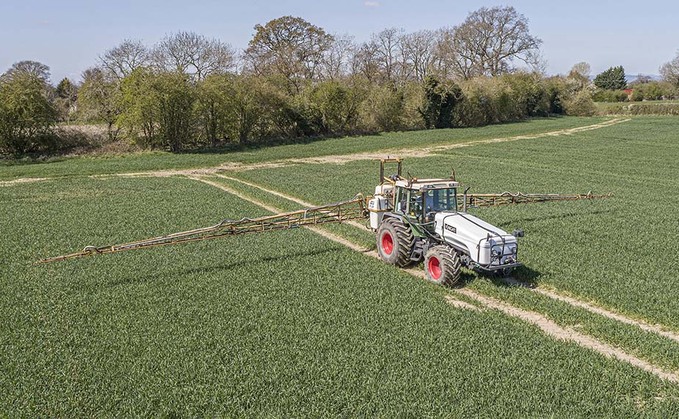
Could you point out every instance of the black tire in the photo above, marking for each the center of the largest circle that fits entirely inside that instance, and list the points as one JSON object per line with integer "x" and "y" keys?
{"x": 442, "y": 265}
{"x": 395, "y": 242}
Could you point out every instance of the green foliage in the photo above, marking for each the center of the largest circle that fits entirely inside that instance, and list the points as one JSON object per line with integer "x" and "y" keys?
{"x": 440, "y": 102}
{"x": 382, "y": 109}
{"x": 487, "y": 101}
{"x": 529, "y": 92}
{"x": 100, "y": 100}
{"x": 174, "y": 96}
{"x": 602, "y": 95}
{"x": 337, "y": 105}
{"x": 66, "y": 98}
{"x": 611, "y": 79}
{"x": 140, "y": 113}
{"x": 654, "y": 90}
{"x": 581, "y": 104}
{"x": 26, "y": 115}
{"x": 159, "y": 108}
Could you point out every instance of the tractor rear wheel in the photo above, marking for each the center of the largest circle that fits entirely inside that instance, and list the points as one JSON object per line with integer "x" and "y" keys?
{"x": 442, "y": 265}
{"x": 394, "y": 242}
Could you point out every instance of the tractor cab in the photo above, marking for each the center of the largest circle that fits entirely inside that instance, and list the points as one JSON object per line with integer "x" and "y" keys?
{"x": 420, "y": 199}
{"x": 417, "y": 200}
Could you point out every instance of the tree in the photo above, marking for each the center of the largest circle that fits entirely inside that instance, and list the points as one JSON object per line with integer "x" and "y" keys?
{"x": 193, "y": 54}
{"x": 138, "y": 107}
{"x": 33, "y": 68}
{"x": 228, "y": 107}
{"x": 387, "y": 47}
{"x": 581, "y": 69}
{"x": 26, "y": 113}
{"x": 175, "y": 96}
{"x": 364, "y": 62}
{"x": 579, "y": 75}
{"x": 418, "y": 53}
{"x": 337, "y": 59}
{"x": 99, "y": 99}
{"x": 670, "y": 71}
{"x": 611, "y": 79}
{"x": 125, "y": 58}
{"x": 289, "y": 46}
{"x": 158, "y": 108}
{"x": 489, "y": 41}
{"x": 66, "y": 98}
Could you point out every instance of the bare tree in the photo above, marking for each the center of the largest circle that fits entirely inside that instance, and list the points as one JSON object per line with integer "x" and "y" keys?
{"x": 583, "y": 69}
{"x": 670, "y": 71}
{"x": 125, "y": 58}
{"x": 338, "y": 57}
{"x": 490, "y": 40}
{"x": 418, "y": 53}
{"x": 193, "y": 54}
{"x": 388, "y": 53}
{"x": 444, "y": 57}
{"x": 289, "y": 46}
{"x": 365, "y": 62}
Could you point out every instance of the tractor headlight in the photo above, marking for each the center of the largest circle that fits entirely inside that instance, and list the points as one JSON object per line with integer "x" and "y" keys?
{"x": 496, "y": 252}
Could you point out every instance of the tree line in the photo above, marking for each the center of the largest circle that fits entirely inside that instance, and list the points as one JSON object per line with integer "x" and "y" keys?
{"x": 294, "y": 80}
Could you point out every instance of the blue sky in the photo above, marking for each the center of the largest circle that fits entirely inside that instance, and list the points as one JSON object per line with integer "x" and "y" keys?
{"x": 69, "y": 35}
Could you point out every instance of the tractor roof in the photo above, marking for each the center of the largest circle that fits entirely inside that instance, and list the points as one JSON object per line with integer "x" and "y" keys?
{"x": 418, "y": 184}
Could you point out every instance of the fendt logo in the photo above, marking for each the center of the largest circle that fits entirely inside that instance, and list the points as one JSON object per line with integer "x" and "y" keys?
{"x": 451, "y": 228}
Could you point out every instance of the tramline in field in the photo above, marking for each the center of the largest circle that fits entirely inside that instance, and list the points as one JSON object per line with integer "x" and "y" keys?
{"x": 414, "y": 219}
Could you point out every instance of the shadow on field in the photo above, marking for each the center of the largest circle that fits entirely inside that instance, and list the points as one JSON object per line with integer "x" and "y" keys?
{"x": 205, "y": 269}
{"x": 522, "y": 276}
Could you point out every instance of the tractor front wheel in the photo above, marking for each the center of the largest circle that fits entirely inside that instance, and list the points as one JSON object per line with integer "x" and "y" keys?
{"x": 442, "y": 265}
{"x": 394, "y": 242}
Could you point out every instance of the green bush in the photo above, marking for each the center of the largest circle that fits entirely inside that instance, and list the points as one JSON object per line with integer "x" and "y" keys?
{"x": 654, "y": 90}
{"x": 580, "y": 104}
{"x": 382, "y": 110}
{"x": 530, "y": 93}
{"x": 602, "y": 95}
{"x": 495, "y": 100}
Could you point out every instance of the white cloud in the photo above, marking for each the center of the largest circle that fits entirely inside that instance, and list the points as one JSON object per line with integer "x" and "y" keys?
{"x": 372, "y": 3}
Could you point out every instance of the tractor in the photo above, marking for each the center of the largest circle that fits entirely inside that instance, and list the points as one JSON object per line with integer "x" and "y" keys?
{"x": 418, "y": 219}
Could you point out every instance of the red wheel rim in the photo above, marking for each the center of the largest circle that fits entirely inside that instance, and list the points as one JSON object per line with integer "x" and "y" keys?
{"x": 434, "y": 267}
{"x": 387, "y": 243}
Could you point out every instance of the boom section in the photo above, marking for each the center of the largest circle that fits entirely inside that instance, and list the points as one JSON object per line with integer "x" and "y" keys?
{"x": 507, "y": 198}
{"x": 331, "y": 213}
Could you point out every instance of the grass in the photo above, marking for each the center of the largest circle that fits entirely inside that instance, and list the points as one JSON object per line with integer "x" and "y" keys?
{"x": 291, "y": 324}
{"x": 146, "y": 161}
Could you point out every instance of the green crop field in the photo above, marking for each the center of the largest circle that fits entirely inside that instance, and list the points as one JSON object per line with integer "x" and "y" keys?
{"x": 289, "y": 323}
